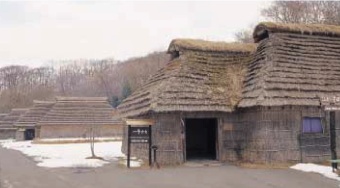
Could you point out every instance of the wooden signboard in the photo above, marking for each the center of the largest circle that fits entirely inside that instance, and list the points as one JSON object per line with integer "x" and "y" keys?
{"x": 332, "y": 108}
{"x": 330, "y": 99}
{"x": 139, "y": 132}
{"x": 330, "y": 103}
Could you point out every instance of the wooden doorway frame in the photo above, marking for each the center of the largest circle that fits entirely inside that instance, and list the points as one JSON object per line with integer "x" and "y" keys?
{"x": 218, "y": 135}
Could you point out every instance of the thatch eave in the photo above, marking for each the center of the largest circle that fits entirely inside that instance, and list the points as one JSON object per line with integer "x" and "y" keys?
{"x": 263, "y": 29}
{"x": 178, "y": 45}
{"x": 205, "y": 79}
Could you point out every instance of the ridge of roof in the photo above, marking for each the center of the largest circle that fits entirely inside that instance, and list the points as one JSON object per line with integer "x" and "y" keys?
{"x": 203, "y": 45}
{"x": 72, "y": 99}
{"x": 264, "y": 28}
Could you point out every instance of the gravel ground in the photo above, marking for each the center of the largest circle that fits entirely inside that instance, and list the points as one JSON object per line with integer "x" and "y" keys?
{"x": 18, "y": 171}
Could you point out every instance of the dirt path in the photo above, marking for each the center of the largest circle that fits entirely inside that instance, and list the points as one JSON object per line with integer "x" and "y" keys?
{"x": 19, "y": 171}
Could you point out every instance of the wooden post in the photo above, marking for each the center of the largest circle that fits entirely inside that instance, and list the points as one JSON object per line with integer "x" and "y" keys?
{"x": 129, "y": 146}
{"x": 333, "y": 137}
{"x": 150, "y": 143}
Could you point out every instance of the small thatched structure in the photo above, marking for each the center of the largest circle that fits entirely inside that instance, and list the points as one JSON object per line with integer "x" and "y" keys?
{"x": 200, "y": 105}
{"x": 2, "y": 116}
{"x": 265, "y": 29}
{"x": 26, "y": 125}
{"x": 7, "y": 129}
{"x": 294, "y": 66}
{"x": 202, "y": 77}
{"x": 74, "y": 117}
{"x": 202, "y": 81}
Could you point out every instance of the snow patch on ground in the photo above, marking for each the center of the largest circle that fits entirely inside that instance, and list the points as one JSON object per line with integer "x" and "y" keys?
{"x": 133, "y": 162}
{"x": 6, "y": 184}
{"x": 80, "y": 139}
{"x": 69, "y": 155}
{"x": 6, "y": 140}
{"x": 324, "y": 170}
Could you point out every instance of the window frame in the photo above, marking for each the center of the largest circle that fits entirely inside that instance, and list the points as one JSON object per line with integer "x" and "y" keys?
{"x": 313, "y": 117}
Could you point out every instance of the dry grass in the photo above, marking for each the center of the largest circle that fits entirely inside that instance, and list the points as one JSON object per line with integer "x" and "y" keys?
{"x": 197, "y": 44}
{"x": 8, "y": 120}
{"x": 81, "y": 99}
{"x": 80, "y": 111}
{"x": 317, "y": 29}
{"x": 208, "y": 76}
{"x": 235, "y": 76}
{"x": 35, "y": 113}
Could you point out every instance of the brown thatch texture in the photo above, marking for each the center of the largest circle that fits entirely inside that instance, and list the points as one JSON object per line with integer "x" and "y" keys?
{"x": 34, "y": 114}
{"x": 265, "y": 28}
{"x": 202, "y": 45}
{"x": 11, "y": 118}
{"x": 293, "y": 69}
{"x": 2, "y": 116}
{"x": 80, "y": 111}
{"x": 200, "y": 79}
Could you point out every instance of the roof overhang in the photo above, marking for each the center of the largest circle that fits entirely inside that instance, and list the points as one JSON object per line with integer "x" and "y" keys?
{"x": 139, "y": 122}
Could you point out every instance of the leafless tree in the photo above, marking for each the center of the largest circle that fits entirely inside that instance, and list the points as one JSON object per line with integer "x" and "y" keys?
{"x": 244, "y": 36}
{"x": 322, "y": 12}
{"x": 20, "y": 85}
{"x": 92, "y": 138}
{"x": 308, "y": 12}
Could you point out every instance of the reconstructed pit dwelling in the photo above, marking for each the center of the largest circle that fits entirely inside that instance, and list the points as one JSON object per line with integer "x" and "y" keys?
{"x": 244, "y": 102}
{"x": 63, "y": 118}
{"x": 73, "y": 117}
{"x": 7, "y": 128}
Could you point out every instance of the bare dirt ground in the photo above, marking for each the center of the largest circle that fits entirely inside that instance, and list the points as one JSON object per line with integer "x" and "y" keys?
{"x": 19, "y": 171}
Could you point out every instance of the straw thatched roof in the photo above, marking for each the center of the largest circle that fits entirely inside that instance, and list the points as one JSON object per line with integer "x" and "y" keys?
{"x": 11, "y": 118}
{"x": 180, "y": 45}
{"x": 80, "y": 111}
{"x": 2, "y": 116}
{"x": 34, "y": 114}
{"x": 203, "y": 76}
{"x": 293, "y": 65}
{"x": 265, "y": 28}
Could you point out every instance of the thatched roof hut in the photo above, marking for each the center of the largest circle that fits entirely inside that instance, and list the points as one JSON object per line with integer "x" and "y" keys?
{"x": 34, "y": 114}
{"x": 265, "y": 29}
{"x": 11, "y": 118}
{"x": 2, "y": 116}
{"x": 79, "y": 111}
{"x": 295, "y": 64}
{"x": 77, "y": 117}
{"x": 276, "y": 90}
{"x": 202, "y": 76}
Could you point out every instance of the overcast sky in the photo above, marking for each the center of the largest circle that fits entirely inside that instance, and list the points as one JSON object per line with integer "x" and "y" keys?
{"x": 32, "y": 33}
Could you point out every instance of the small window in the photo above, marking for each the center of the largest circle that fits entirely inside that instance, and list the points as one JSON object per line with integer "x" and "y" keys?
{"x": 312, "y": 125}
{"x": 174, "y": 55}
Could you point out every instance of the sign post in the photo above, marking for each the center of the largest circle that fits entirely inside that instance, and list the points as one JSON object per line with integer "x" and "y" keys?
{"x": 332, "y": 104}
{"x": 129, "y": 146}
{"x": 139, "y": 135}
{"x": 150, "y": 141}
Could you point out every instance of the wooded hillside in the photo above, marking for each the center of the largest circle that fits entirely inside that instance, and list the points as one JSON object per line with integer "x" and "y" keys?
{"x": 20, "y": 85}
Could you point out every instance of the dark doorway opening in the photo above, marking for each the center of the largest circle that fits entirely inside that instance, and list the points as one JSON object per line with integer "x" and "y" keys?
{"x": 201, "y": 137}
{"x": 29, "y": 134}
